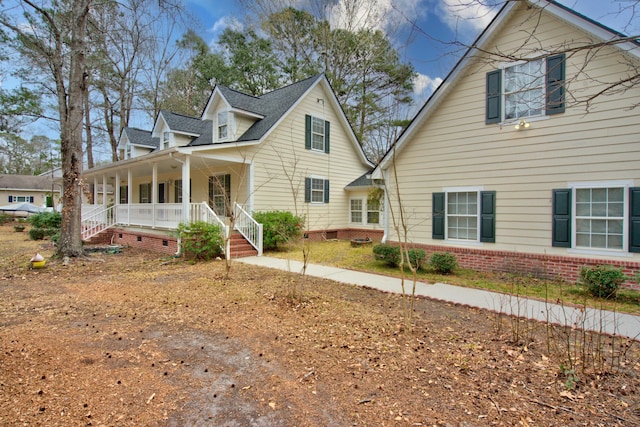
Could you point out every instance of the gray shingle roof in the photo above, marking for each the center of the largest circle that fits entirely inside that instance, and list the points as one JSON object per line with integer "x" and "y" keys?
{"x": 141, "y": 137}
{"x": 186, "y": 124}
{"x": 25, "y": 182}
{"x": 271, "y": 106}
{"x": 362, "y": 181}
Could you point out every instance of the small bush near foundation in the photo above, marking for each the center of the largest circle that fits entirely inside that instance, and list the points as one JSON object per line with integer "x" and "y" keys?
{"x": 201, "y": 240}
{"x": 278, "y": 227}
{"x": 443, "y": 262}
{"x": 390, "y": 254}
{"x": 602, "y": 280}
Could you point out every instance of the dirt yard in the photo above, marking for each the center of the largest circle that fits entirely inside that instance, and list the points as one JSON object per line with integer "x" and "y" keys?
{"x": 135, "y": 339}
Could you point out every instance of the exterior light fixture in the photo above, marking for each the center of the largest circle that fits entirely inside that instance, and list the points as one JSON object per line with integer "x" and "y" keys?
{"x": 522, "y": 124}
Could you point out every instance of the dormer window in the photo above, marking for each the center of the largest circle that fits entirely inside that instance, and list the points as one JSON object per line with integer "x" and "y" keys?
{"x": 127, "y": 151}
{"x": 166, "y": 137}
{"x": 223, "y": 125}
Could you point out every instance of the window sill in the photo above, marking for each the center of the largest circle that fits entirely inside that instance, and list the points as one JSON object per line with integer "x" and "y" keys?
{"x": 600, "y": 252}
{"x": 462, "y": 242}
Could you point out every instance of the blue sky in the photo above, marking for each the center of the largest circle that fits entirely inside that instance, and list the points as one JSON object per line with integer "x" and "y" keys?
{"x": 437, "y": 21}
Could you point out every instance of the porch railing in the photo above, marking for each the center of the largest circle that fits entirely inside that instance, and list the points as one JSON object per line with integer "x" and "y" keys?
{"x": 248, "y": 227}
{"x": 97, "y": 220}
{"x": 202, "y": 212}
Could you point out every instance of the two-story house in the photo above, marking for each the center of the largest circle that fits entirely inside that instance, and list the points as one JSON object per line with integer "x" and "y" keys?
{"x": 527, "y": 157}
{"x": 290, "y": 149}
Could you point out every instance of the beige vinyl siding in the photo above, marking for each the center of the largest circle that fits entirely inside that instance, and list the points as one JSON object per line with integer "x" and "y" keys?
{"x": 282, "y": 163}
{"x": 455, "y": 148}
{"x": 242, "y": 124}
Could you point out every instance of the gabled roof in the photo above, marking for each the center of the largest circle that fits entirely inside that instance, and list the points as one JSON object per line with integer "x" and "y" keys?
{"x": 141, "y": 137}
{"x": 562, "y": 12}
{"x": 25, "y": 182}
{"x": 270, "y": 107}
{"x": 183, "y": 124}
{"x": 364, "y": 181}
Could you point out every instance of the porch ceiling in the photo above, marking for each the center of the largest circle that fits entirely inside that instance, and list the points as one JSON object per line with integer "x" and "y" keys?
{"x": 165, "y": 166}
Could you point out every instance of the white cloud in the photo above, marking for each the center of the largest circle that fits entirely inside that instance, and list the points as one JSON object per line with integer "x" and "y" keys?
{"x": 226, "y": 22}
{"x": 385, "y": 15}
{"x": 466, "y": 15}
{"x": 423, "y": 85}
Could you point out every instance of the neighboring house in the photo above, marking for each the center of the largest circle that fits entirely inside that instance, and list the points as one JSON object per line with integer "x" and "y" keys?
{"x": 509, "y": 167}
{"x": 290, "y": 149}
{"x": 28, "y": 188}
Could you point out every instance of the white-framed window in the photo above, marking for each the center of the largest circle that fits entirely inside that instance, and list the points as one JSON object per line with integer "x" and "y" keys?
{"x": 316, "y": 190}
{"x": 462, "y": 215}
{"x": 599, "y": 217}
{"x": 524, "y": 90}
{"x": 127, "y": 151}
{"x": 223, "y": 125}
{"x": 373, "y": 211}
{"x": 317, "y": 134}
{"x": 166, "y": 139}
{"x": 20, "y": 199}
{"x": 356, "y": 211}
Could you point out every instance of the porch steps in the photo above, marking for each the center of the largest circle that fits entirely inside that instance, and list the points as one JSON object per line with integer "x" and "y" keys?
{"x": 240, "y": 247}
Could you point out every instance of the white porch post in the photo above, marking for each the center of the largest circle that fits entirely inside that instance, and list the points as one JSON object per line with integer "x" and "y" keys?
{"x": 186, "y": 189}
{"x": 95, "y": 190}
{"x": 250, "y": 182}
{"x": 104, "y": 191}
{"x": 116, "y": 190}
{"x": 129, "y": 194}
{"x": 154, "y": 194}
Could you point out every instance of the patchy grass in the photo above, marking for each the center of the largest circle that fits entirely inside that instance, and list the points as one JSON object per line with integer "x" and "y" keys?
{"x": 339, "y": 253}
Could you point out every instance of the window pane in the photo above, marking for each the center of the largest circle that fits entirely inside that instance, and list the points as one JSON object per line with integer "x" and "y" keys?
{"x": 582, "y": 240}
{"x": 583, "y": 209}
{"x": 616, "y": 195}
{"x": 599, "y": 195}
{"x": 583, "y": 195}
{"x": 598, "y": 241}
{"x": 615, "y": 226}
{"x": 583, "y": 226}
{"x": 598, "y": 226}
{"x": 616, "y": 210}
{"x": 462, "y": 215}
{"x": 614, "y": 242}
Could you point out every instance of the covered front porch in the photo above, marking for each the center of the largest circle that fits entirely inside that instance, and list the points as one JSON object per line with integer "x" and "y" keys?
{"x": 148, "y": 193}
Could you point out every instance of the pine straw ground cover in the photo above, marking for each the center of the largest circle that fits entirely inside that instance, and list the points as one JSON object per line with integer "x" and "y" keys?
{"x": 136, "y": 339}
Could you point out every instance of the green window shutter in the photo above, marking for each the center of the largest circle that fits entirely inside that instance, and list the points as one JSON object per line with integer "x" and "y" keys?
{"x": 307, "y": 132}
{"x": 327, "y": 129}
{"x": 437, "y": 216}
{"x": 555, "y": 84}
{"x": 307, "y": 190}
{"x": 494, "y": 97}
{"x": 634, "y": 219}
{"x": 488, "y": 216}
{"x": 561, "y": 226}
{"x": 31, "y": 199}
{"x": 326, "y": 191}
{"x": 10, "y": 199}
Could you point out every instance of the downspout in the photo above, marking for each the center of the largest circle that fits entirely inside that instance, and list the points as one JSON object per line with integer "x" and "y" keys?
{"x": 385, "y": 235}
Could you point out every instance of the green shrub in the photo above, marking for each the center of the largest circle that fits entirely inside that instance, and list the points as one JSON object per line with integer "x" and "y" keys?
{"x": 45, "y": 224}
{"x": 37, "y": 233}
{"x": 201, "y": 240}
{"x": 443, "y": 262}
{"x": 278, "y": 227}
{"x": 46, "y": 220}
{"x": 602, "y": 280}
{"x": 390, "y": 254}
{"x": 5, "y": 218}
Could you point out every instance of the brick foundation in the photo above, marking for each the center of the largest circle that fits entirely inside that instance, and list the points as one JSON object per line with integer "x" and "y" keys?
{"x": 544, "y": 266}
{"x": 138, "y": 239}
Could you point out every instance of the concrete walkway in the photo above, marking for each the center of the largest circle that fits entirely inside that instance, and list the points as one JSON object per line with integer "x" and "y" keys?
{"x": 591, "y": 319}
